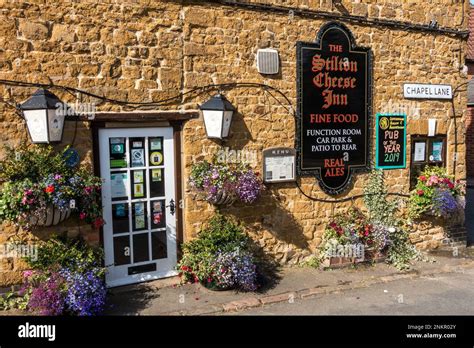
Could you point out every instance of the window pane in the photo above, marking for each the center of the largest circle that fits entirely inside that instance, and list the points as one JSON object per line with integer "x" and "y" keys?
{"x": 118, "y": 186}
{"x": 121, "y": 250}
{"x": 139, "y": 221}
{"x": 140, "y": 247}
{"x": 158, "y": 216}
{"x": 157, "y": 182}
{"x": 138, "y": 184}
{"x": 137, "y": 152}
{"x": 159, "y": 245}
{"x": 120, "y": 219}
{"x": 117, "y": 153}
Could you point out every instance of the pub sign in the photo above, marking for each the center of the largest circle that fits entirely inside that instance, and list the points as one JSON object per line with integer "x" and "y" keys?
{"x": 334, "y": 105}
{"x": 390, "y": 141}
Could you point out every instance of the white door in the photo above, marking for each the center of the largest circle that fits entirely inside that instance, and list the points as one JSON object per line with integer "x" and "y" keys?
{"x": 138, "y": 195}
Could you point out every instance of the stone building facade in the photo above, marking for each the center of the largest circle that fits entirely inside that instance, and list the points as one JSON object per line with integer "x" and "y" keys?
{"x": 145, "y": 51}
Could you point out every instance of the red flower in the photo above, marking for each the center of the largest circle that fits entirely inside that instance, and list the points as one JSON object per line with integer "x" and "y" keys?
{"x": 420, "y": 192}
{"x": 82, "y": 216}
{"x": 422, "y": 178}
{"x": 49, "y": 189}
{"x": 450, "y": 185}
{"x": 98, "y": 222}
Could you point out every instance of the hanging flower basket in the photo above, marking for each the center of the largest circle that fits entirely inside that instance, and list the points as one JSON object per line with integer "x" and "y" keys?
{"x": 41, "y": 187}
{"x": 52, "y": 216}
{"x": 223, "y": 184}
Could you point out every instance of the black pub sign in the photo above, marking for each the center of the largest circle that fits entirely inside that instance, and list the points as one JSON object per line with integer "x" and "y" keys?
{"x": 334, "y": 105}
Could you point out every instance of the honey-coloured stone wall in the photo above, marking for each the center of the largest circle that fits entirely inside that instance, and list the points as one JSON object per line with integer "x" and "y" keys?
{"x": 145, "y": 51}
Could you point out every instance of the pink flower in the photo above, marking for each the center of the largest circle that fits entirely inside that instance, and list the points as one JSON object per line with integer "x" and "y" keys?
{"x": 28, "y": 273}
{"x": 82, "y": 216}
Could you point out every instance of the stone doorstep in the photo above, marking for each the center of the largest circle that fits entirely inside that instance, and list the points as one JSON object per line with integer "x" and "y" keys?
{"x": 256, "y": 301}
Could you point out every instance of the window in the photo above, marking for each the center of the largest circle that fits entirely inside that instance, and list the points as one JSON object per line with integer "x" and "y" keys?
{"x": 426, "y": 151}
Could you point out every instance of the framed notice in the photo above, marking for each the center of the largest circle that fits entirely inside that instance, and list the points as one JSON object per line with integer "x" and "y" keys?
{"x": 334, "y": 107}
{"x": 279, "y": 165}
{"x": 391, "y": 141}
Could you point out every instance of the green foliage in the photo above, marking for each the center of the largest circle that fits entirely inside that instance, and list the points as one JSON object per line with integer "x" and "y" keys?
{"x": 401, "y": 252}
{"x": 33, "y": 163}
{"x": 73, "y": 254}
{"x": 12, "y": 300}
{"x": 375, "y": 199}
{"x": 220, "y": 234}
{"x": 312, "y": 262}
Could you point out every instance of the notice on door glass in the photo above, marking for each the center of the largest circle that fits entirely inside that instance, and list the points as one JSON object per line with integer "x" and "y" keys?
{"x": 118, "y": 185}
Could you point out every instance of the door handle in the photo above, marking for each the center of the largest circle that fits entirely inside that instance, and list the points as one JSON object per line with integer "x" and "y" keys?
{"x": 172, "y": 207}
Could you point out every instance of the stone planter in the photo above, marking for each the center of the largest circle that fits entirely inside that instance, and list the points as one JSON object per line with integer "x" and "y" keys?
{"x": 52, "y": 216}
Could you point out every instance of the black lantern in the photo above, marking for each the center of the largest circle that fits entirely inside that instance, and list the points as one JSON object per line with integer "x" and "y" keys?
{"x": 217, "y": 113}
{"x": 44, "y": 114}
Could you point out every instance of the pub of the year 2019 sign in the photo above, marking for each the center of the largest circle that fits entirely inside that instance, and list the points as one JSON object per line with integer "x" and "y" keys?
{"x": 334, "y": 105}
{"x": 390, "y": 141}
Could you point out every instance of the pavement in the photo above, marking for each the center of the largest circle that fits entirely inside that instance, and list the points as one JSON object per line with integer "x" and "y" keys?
{"x": 299, "y": 291}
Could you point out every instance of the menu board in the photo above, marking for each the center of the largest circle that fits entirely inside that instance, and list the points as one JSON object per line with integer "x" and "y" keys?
{"x": 390, "y": 151}
{"x": 334, "y": 98}
{"x": 279, "y": 165}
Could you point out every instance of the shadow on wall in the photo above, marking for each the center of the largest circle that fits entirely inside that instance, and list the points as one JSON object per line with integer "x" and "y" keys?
{"x": 272, "y": 225}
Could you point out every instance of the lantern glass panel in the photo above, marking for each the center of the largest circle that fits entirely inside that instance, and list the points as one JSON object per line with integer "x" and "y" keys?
{"x": 56, "y": 125}
{"x": 227, "y": 123}
{"x": 36, "y": 121}
{"x": 213, "y": 123}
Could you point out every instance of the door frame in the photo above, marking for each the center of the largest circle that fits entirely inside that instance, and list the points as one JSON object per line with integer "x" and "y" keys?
{"x": 177, "y": 126}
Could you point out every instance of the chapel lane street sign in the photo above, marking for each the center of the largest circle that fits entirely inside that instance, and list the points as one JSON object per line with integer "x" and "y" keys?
{"x": 334, "y": 106}
{"x": 427, "y": 91}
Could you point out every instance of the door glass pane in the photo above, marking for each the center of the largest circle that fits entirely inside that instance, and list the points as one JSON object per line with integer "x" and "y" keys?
{"x": 158, "y": 245}
{"x": 120, "y": 219}
{"x": 158, "y": 217}
{"x": 121, "y": 250}
{"x": 139, "y": 216}
{"x": 157, "y": 182}
{"x": 139, "y": 184}
{"x": 137, "y": 152}
{"x": 140, "y": 247}
{"x": 119, "y": 186}
{"x": 117, "y": 153}
{"x": 156, "y": 158}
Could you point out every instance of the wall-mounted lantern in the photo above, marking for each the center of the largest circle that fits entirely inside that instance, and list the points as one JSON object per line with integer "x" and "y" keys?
{"x": 44, "y": 115}
{"x": 217, "y": 113}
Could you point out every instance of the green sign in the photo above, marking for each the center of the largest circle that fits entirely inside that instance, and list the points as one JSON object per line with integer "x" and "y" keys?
{"x": 391, "y": 141}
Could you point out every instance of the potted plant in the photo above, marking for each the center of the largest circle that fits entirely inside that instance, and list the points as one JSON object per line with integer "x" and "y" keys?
{"x": 220, "y": 258}
{"x": 223, "y": 184}
{"x": 42, "y": 188}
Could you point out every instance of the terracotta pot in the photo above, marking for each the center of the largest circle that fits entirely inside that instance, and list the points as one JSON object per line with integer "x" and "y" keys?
{"x": 52, "y": 217}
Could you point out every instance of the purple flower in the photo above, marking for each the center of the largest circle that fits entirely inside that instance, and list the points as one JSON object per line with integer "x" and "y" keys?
{"x": 236, "y": 269}
{"x": 86, "y": 292}
{"x": 443, "y": 202}
{"x": 248, "y": 187}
